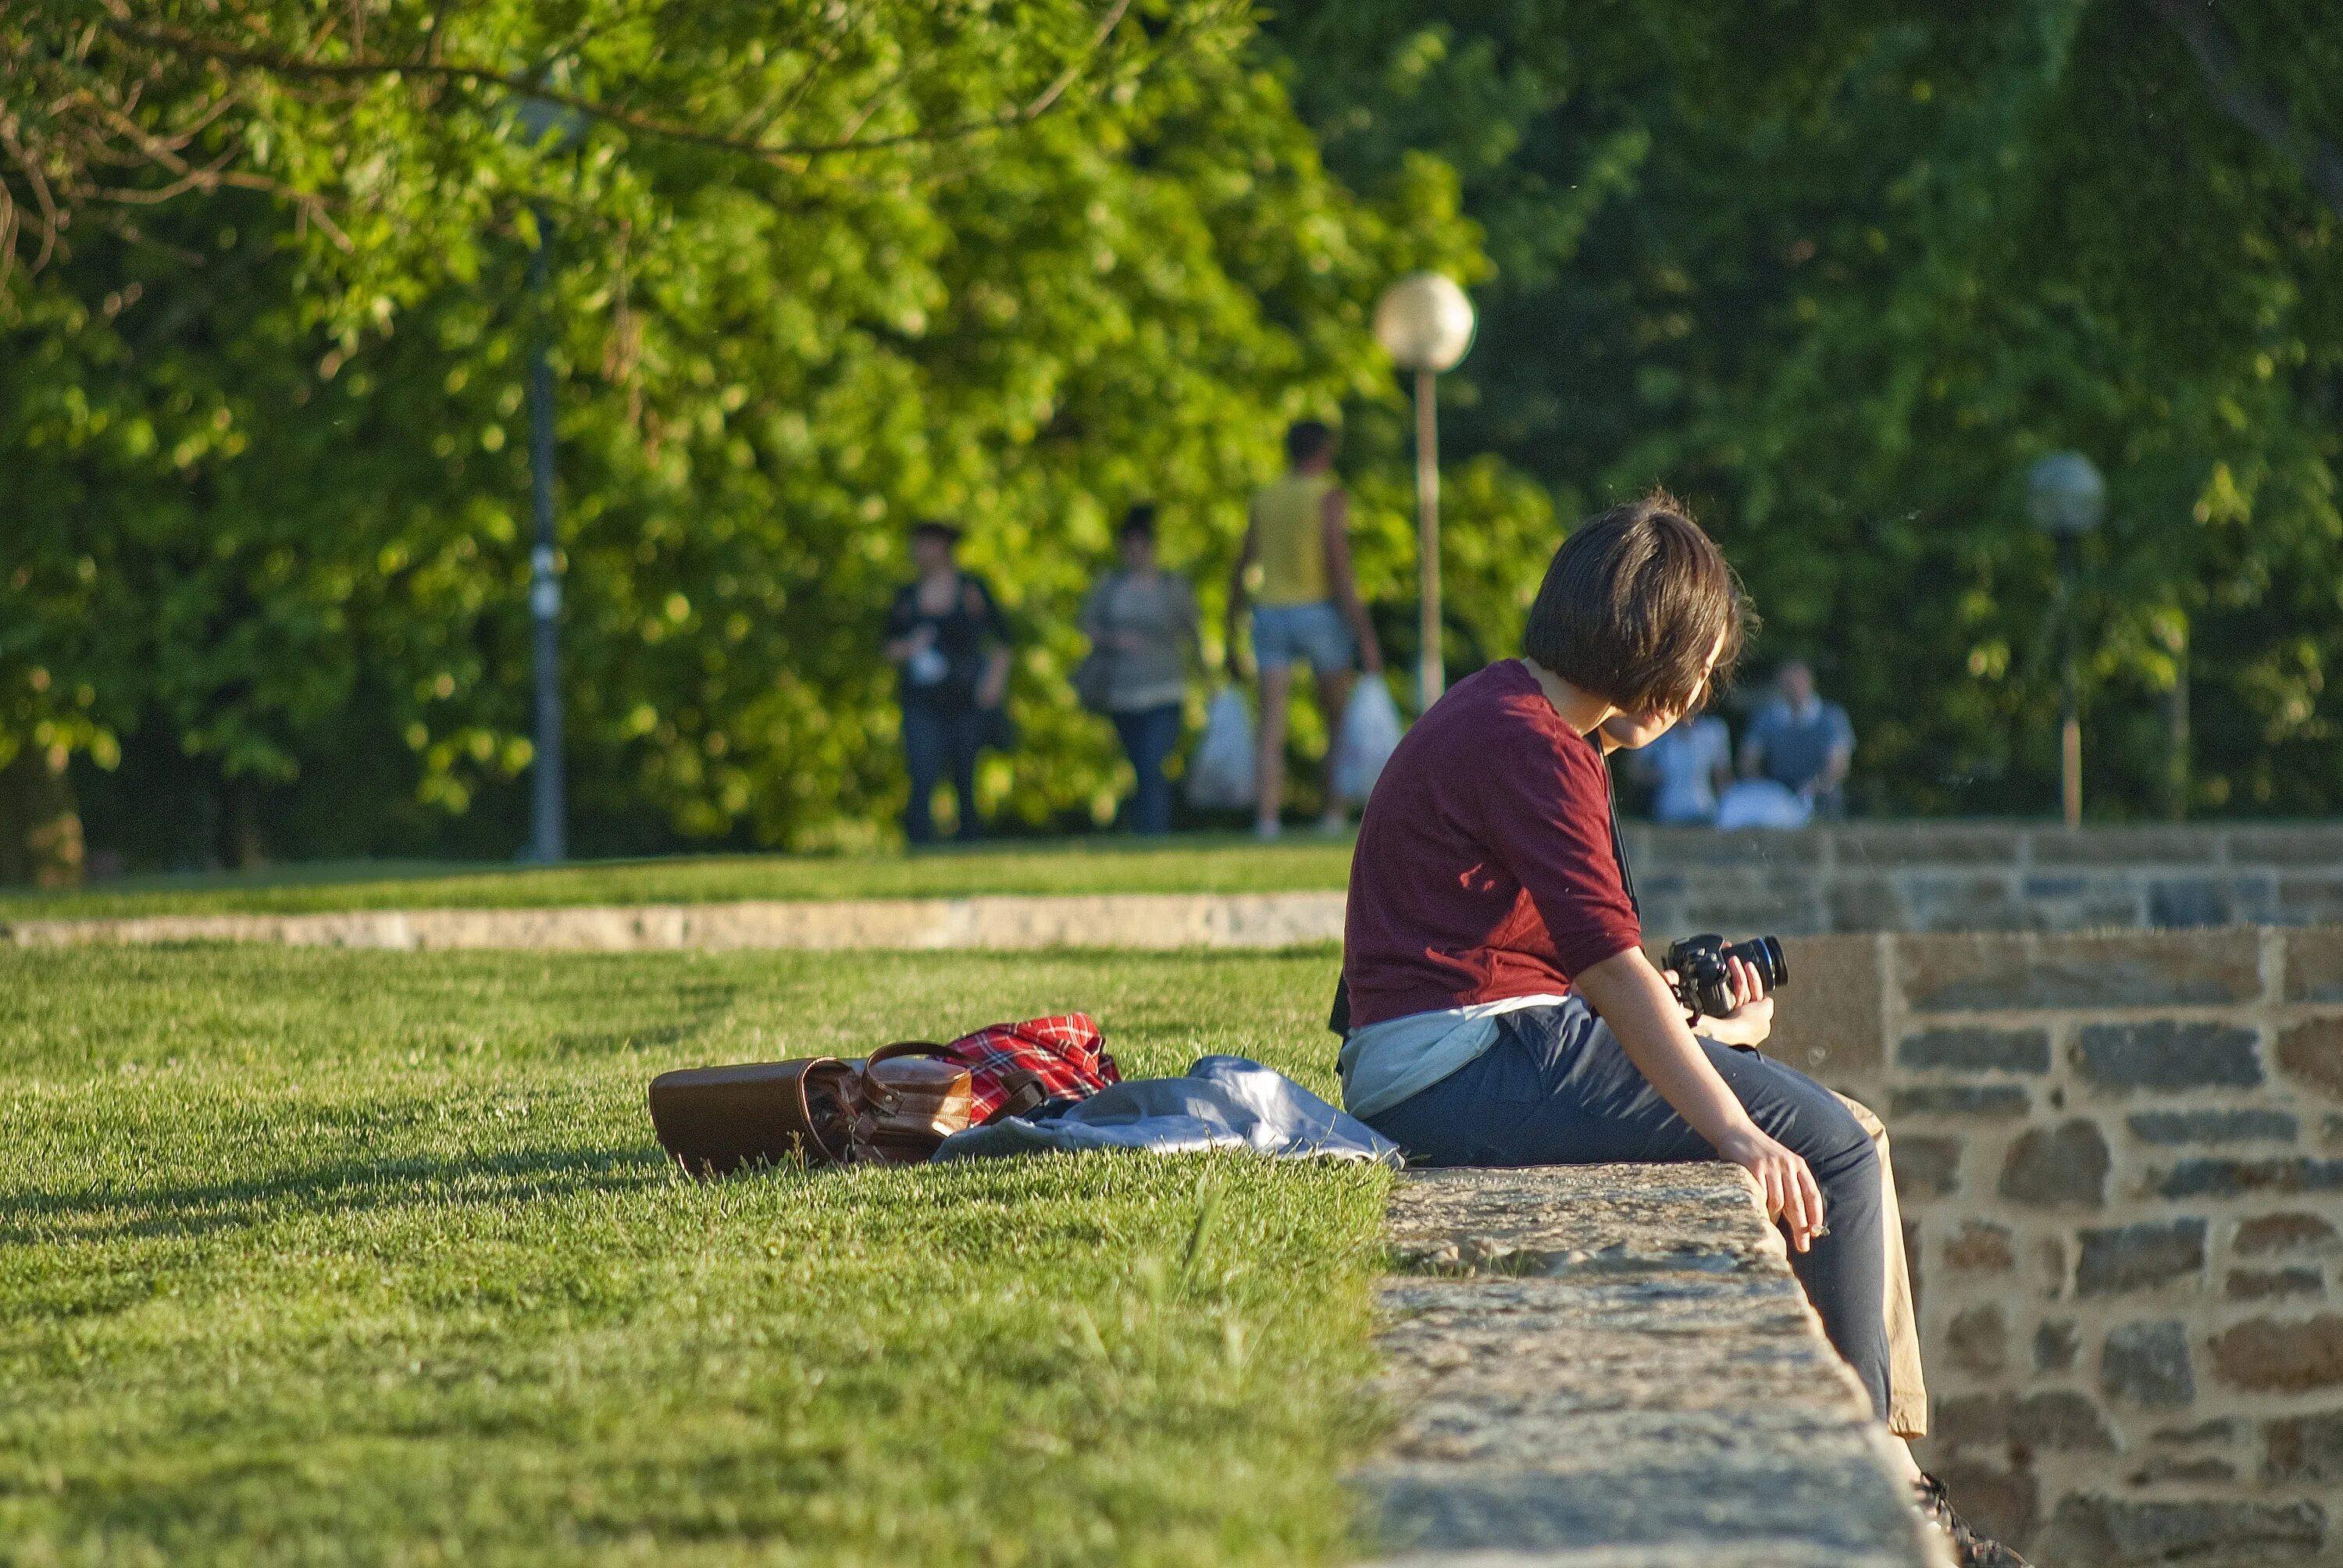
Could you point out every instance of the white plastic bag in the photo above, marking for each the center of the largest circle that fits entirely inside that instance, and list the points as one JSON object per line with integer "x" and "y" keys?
{"x": 1762, "y": 803}
{"x": 1220, "y": 775}
{"x": 1369, "y": 735}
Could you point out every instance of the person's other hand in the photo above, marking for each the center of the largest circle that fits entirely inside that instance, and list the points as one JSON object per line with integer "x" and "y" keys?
{"x": 1792, "y": 1195}
{"x": 1751, "y": 1018}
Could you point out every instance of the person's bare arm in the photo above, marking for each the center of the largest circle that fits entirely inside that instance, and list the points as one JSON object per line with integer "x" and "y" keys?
{"x": 1245, "y": 553}
{"x": 1630, "y": 996}
{"x": 1335, "y": 522}
{"x": 992, "y": 686}
{"x": 901, "y": 649}
{"x": 1752, "y": 754}
{"x": 1835, "y": 768}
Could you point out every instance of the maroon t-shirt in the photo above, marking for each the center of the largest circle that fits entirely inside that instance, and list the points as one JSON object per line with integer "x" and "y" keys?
{"x": 1485, "y": 867}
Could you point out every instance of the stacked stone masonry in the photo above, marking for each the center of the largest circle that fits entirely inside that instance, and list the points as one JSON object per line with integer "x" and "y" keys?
{"x": 1972, "y": 877}
{"x": 2121, "y": 1157}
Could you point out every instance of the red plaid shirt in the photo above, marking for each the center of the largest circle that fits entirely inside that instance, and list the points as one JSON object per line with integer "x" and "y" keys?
{"x": 1064, "y": 1054}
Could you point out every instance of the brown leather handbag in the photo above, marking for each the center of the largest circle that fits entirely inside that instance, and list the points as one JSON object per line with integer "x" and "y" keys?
{"x": 891, "y": 1108}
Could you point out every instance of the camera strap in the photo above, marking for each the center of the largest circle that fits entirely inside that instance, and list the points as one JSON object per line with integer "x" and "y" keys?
{"x": 1619, "y": 846}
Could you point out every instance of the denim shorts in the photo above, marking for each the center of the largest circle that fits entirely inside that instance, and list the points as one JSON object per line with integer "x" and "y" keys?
{"x": 1315, "y": 634}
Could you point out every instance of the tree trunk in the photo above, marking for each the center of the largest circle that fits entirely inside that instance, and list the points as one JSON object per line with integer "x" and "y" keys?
{"x": 40, "y": 823}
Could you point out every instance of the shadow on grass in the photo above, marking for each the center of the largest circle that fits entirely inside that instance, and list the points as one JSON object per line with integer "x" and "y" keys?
{"x": 35, "y": 1218}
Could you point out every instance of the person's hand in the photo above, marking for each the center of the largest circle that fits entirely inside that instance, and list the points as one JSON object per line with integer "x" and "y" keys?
{"x": 1751, "y": 1018}
{"x": 990, "y": 689}
{"x": 1791, "y": 1195}
{"x": 1371, "y": 657}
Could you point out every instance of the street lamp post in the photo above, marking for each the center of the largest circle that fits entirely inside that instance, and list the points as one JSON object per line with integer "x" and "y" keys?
{"x": 2065, "y": 496}
{"x": 548, "y": 794}
{"x": 553, "y": 127}
{"x": 1425, "y": 323}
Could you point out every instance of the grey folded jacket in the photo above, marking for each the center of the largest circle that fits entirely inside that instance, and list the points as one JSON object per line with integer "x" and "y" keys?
{"x": 1223, "y": 1102}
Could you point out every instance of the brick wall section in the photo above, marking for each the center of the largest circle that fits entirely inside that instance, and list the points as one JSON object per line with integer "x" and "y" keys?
{"x": 2121, "y": 1157}
{"x": 1969, "y": 877}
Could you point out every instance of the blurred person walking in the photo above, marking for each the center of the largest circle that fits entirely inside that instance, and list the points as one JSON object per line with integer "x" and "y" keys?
{"x": 1687, "y": 767}
{"x": 1307, "y": 608}
{"x": 1142, "y": 624}
{"x": 1801, "y": 742}
{"x": 948, "y": 639}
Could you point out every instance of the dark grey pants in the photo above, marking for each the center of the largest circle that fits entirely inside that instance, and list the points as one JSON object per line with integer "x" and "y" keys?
{"x": 1557, "y": 1088}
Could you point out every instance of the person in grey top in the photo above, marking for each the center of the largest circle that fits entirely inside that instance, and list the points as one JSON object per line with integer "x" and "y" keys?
{"x": 1142, "y": 619}
{"x": 1801, "y": 742}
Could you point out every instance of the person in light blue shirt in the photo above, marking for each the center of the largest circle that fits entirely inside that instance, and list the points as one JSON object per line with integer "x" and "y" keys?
{"x": 1688, "y": 767}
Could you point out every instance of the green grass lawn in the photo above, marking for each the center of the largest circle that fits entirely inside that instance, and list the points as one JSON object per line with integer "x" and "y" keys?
{"x": 346, "y": 1257}
{"x": 1188, "y": 864}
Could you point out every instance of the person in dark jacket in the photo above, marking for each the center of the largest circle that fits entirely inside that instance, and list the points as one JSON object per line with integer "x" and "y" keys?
{"x": 949, "y": 642}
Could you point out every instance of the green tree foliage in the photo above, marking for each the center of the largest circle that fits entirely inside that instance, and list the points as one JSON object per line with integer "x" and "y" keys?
{"x": 815, "y": 271}
{"x": 1840, "y": 272}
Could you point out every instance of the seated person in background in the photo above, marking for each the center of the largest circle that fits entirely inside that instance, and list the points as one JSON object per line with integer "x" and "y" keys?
{"x": 1501, "y": 1010}
{"x": 1801, "y": 742}
{"x": 1686, "y": 767}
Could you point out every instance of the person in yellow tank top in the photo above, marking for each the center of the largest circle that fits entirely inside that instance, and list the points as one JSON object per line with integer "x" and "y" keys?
{"x": 1306, "y": 608}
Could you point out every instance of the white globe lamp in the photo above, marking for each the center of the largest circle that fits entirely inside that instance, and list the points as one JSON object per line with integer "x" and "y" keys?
{"x": 1425, "y": 323}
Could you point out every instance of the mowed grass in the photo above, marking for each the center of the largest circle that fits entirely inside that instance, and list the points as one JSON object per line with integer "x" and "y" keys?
{"x": 337, "y": 1257}
{"x": 1188, "y": 864}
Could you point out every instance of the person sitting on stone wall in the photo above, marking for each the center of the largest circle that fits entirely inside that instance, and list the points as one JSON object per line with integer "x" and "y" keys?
{"x": 1497, "y": 1005}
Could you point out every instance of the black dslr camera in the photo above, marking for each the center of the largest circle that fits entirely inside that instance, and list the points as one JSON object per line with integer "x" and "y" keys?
{"x": 1704, "y": 983}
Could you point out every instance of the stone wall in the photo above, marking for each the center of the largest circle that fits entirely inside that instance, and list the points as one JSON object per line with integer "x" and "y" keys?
{"x": 1595, "y": 1366}
{"x": 1983, "y": 876}
{"x": 2121, "y": 1157}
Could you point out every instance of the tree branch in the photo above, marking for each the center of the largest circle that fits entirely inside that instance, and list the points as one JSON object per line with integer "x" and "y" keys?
{"x": 2235, "y": 94}
{"x": 359, "y": 67}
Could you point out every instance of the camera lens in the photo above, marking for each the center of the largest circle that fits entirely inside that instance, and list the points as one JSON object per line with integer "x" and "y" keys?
{"x": 1764, "y": 954}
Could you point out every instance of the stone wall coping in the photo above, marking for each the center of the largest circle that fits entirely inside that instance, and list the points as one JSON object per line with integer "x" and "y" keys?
{"x": 1004, "y": 921}
{"x": 1613, "y": 1365}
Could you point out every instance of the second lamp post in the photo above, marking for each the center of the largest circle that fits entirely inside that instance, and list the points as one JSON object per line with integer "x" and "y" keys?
{"x": 2067, "y": 498}
{"x": 1425, "y": 323}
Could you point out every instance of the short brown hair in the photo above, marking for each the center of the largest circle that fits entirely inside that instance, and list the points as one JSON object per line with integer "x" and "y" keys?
{"x": 1633, "y": 601}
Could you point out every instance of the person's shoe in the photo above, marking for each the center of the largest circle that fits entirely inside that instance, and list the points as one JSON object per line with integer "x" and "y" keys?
{"x": 1265, "y": 831}
{"x": 1334, "y": 824}
{"x": 1970, "y": 1549}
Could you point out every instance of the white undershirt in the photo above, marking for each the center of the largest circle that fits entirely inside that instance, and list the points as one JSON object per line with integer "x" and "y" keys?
{"x": 1386, "y": 1062}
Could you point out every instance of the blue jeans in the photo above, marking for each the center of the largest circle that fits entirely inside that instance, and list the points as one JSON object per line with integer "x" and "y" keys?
{"x": 1314, "y": 633}
{"x": 1148, "y": 737}
{"x": 936, "y": 739}
{"x": 1557, "y": 1088}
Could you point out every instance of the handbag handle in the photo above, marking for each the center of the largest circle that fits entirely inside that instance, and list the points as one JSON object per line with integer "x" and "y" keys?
{"x": 1026, "y": 1092}
{"x": 878, "y": 1094}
